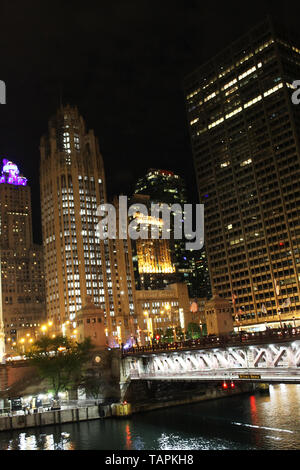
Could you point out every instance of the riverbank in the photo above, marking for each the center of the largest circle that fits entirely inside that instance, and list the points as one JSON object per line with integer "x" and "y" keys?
{"x": 46, "y": 418}
{"x": 87, "y": 413}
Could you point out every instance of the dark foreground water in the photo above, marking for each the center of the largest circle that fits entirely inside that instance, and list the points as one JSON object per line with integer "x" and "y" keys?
{"x": 242, "y": 422}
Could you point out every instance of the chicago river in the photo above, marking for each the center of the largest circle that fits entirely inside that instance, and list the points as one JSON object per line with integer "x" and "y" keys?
{"x": 243, "y": 422}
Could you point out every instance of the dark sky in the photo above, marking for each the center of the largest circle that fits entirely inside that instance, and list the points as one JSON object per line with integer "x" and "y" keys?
{"x": 122, "y": 62}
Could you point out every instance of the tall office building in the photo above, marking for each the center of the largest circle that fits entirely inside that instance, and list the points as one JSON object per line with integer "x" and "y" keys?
{"x": 79, "y": 265}
{"x": 152, "y": 258}
{"x": 22, "y": 266}
{"x": 191, "y": 267}
{"x": 245, "y": 138}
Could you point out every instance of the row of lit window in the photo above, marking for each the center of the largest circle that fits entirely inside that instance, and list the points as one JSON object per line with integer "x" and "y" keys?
{"x": 228, "y": 70}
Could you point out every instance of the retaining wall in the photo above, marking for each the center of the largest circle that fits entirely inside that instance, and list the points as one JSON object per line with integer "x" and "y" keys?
{"x": 46, "y": 418}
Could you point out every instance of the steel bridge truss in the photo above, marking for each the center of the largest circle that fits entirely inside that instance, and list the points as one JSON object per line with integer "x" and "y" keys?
{"x": 280, "y": 361}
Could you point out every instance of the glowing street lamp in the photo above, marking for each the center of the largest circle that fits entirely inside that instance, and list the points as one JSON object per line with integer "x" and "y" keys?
{"x": 149, "y": 324}
{"x": 22, "y": 341}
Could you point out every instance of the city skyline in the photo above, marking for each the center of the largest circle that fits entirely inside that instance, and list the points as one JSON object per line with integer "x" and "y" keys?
{"x": 150, "y": 228}
{"x": 131, "y": 90}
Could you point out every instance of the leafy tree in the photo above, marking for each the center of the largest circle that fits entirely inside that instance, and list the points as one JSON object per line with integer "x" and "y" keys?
{"x": 160, "y": 333}
{"x": 93, "y": 383}
{"x": 193, "y": 331}
{"x": 204, "y": 330}
{"x": 61, "y": 361}
{"x": 179, "y": 333}
{"x": 169, "y": 335}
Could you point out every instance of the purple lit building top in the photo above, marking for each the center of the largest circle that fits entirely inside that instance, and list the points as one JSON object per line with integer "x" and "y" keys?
{"x": 11, "y": 175}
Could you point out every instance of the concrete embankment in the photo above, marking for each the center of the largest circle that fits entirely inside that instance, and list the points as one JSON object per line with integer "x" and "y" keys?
{"x": 75, "y": 415}
{"x": 208, "y": 395}
{"x": 46, "y": 418}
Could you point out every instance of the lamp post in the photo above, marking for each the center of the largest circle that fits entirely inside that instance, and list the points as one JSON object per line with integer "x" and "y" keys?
{"x": 22, "y": 341}
{"x": 175, "y": 337}
{"x": 169, "y": 313}
{"x": 148, "y": 330}
{"x": 44, "y": 329}
{"x": 279, "y": 314}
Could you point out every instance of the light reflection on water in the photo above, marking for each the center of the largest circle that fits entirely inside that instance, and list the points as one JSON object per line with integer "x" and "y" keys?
{"x": 241, "y": 422}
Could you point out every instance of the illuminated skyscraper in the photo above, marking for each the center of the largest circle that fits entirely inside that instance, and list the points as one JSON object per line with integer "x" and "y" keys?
{"x": 78, "y": 264}
{"x": 2, "y": 334}
{"x": 165, "y": 187}
{"x": 245, "y": 138}
{"x": 22, "y": 267}
{"x": 152, "y": 258}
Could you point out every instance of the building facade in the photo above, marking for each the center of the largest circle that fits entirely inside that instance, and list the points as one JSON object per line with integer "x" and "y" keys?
{"x": 152, "y": 258}
{"x": 218, "y": 316}
{"x": 22, "y": 264}
{"x": 159, "y": 310}
{"x": 165, "y": 187}
{"x": 80, "y": 265}
{"x": 244, "y": 131}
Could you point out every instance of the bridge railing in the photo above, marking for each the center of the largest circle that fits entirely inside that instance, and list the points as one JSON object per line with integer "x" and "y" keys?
{"x": 239, "y": 339}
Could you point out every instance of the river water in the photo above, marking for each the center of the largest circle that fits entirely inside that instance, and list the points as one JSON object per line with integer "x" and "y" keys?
{"x": 268, "y": 422}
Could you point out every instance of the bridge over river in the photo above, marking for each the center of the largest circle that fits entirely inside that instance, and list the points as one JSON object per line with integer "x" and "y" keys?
{"x": 271, "y": 356}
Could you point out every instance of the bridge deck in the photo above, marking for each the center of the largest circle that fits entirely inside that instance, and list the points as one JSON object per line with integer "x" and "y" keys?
{"x": 243, "y": 339}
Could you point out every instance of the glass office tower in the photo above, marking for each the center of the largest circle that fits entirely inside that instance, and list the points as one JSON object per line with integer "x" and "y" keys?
{"x": 244, "y": 131}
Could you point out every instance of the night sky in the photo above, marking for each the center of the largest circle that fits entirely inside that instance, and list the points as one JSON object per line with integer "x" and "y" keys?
{"x": 122, "y": 62}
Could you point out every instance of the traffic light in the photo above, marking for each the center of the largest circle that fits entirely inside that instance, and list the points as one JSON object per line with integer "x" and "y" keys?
{"x": 157, "y": 337}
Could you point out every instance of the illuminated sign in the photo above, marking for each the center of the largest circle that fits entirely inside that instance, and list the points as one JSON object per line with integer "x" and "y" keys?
{"x": 11, "y": 175}
{"x": 250, "y": 376}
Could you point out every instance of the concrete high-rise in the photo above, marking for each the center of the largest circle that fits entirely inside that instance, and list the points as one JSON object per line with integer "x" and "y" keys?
{"x": 22, "y": 265}
{"x": 245, "y": 138}
{"x": 78, "y": 264}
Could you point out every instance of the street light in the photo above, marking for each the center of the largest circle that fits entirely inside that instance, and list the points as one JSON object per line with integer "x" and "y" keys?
{"x": 169, "y": 312}
{"x": 279, "y": 314}
{"x": 148, "y": 330}
{"x": 22, "y": 341}
{"x": 175, "y": 337}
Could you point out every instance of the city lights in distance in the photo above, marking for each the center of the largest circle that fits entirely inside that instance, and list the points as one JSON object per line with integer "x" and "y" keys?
{"x": 11, "y": 174}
